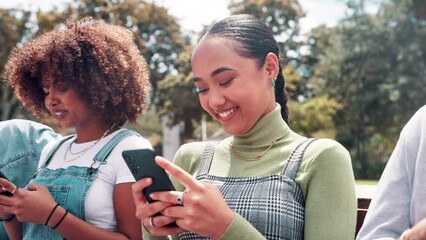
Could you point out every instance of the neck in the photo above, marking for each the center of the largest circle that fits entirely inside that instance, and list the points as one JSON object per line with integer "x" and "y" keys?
{"x": 95, "y": 133}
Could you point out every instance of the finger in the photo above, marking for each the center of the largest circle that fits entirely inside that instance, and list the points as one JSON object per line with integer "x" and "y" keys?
{"x": 7, "y": 185}
{"x": 174, "y": 212}
{"x": 6, "y": 201}
{"x": 161, "y": 221}
{"x": 167, "y": 196}
{"x": 178, "y": 173}
{"x": 156, "y": 226}
{"x": 137, "y": 188}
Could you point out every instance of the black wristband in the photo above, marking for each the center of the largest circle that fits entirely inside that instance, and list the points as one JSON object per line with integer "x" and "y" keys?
{"x": 66, "y": 212}
{"x": 7, "y": 219}
{"x": 51, "y": 213}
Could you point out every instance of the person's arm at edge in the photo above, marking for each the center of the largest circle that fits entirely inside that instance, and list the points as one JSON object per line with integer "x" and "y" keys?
{"x": 330, "y": 202}
{"x": 388, "y": 214}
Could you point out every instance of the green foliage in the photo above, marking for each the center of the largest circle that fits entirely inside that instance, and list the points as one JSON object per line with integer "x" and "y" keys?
{"x": 13, "y": 30}
{"x": 282, "y": 17}
{"x": 157, "y": 33}
{"x": 314, "y": 118}
{"x": 374, "y": 66}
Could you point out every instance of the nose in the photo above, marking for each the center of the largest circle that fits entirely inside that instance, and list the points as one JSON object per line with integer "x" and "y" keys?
{"x": 216, "y": 99}
{"x": 50, "y": 99}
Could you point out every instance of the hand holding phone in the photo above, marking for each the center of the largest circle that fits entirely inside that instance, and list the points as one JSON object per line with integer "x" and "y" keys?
{"x": 6, "y": 193}
{"x": 141, "y": 163}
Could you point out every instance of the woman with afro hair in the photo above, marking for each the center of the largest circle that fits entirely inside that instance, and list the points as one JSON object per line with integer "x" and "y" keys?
{"x": 90, "y": 76}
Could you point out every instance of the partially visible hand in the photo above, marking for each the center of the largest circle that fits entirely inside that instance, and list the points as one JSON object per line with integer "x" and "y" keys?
{"x": 203, "y": 204}
{"x": 150, "y": 213}
{"x": 29, "y": 205}
{"x": 5, "y": 186}
{"x": 418, "y": 232}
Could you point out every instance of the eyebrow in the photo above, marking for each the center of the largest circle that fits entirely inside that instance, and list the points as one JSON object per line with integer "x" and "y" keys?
{"x": 214, "y": 73}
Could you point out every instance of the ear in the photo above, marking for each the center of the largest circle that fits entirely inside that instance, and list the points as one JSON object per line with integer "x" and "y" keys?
{"x": 271, "y": 65}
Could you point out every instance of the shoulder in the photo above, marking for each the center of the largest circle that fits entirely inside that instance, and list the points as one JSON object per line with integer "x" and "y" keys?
{"x": 416, "y": 126}
{"x": 133, "y": 142}
{"x": 189, "y": 155}
{"x": 326, "y": 153}
{"x": 193, "y": 148}
{"x": 325, "y": 147}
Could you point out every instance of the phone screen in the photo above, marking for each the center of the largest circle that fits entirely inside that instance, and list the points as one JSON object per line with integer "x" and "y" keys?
{"x": 6, "y": 193}
{"x": 141, "y": 163}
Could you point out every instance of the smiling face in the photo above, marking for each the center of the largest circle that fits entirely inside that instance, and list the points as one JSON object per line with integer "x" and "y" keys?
{"x": 232, "y": 88}
{"x": 69, "y": 108}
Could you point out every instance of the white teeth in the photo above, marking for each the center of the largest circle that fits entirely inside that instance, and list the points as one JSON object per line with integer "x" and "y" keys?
{"x": 226, "y": 113}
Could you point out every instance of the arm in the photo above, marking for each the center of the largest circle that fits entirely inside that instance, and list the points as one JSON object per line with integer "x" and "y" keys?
{"x": 330, "y": 202}
{"x": 388, "y": 215}
{"x": 128, "y": 225}
{"x": 13, "y": 229}
{"x": 36, "y": 204}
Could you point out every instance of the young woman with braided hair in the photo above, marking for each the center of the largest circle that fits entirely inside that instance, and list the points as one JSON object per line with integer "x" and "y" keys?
{"x": 264, "y": 181}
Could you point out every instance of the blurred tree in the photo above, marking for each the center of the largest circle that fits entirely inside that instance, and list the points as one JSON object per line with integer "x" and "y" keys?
{"x": 374, "y": 67}
{"x": 181, "y": 99}
{"x": 13, "y": 30}
{"x": 157, "y": 33}
{"x": 282, "y": 17}
{"x": 314, "y": 118}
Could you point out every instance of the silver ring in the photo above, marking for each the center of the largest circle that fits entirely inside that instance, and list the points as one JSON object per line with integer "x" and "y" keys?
{"x": 14, "y": 190}
{"x": 180, "y": 198}
{"x": 151, "y": 222}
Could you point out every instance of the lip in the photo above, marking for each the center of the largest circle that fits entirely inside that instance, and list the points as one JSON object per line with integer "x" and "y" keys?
{"x": 226, "y": 115}
{"x": 58, "y": 114}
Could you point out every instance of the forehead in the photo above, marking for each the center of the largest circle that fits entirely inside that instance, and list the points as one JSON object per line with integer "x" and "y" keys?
{"x": 213, "y": 47}
{"x": 214, "y": 52}
{"x": 47, "y": 79}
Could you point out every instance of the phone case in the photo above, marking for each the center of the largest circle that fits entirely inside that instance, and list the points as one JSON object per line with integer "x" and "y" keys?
{"x": 6, "y": 193}
{"x": 141, "y": 163}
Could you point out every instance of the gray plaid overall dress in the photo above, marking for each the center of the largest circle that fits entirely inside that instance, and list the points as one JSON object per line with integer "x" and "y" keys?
{"x": 273, "y": 204}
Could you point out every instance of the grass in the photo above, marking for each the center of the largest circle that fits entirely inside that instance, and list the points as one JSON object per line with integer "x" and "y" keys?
{"x": 366, "y": 182}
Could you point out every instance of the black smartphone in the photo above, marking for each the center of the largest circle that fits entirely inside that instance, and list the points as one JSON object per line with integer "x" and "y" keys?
{"x": 6, "y": 193}
{"x": 141, "y": 163}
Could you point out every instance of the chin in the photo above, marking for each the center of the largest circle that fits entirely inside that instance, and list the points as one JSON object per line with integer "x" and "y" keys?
{"x": 234, "y": 131}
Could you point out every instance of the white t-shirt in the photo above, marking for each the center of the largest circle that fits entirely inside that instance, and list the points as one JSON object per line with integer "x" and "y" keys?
{"x": 99, "y": 199}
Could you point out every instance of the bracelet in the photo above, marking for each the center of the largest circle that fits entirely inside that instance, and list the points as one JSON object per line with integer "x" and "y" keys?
{"x": 66, "y": 212}
{"x": 7, "y": 219}
{"x": 51, "y": 213}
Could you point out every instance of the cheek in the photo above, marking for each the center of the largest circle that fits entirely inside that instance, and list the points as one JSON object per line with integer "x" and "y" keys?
{"x": 204, "y": 102}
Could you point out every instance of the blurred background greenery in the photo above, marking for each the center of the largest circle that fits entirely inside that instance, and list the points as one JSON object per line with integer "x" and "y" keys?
{"x": 357, "y": 82}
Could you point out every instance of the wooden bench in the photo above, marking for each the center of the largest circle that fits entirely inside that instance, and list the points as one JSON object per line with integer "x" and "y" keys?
{"x": 363, "y": 204}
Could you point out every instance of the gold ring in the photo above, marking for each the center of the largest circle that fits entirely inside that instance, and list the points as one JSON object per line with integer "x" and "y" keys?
{"x": 14, "y": 190}
{"x": 151, "y": 222}
{"x": 147, "y": 203}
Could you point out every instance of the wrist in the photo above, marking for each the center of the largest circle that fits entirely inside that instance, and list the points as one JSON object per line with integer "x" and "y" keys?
{"x": 57, "y": 217}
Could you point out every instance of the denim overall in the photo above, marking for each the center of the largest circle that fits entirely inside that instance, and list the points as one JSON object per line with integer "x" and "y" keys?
{"x": 273, "y": 204}
{"x": 69, "y": 186}
{"x": 21, "y": 143}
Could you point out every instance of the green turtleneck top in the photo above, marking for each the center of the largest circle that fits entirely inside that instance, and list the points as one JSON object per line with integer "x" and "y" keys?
{"x": 325, "y": 176}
